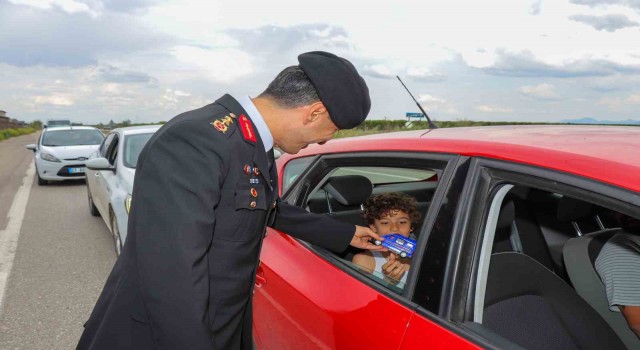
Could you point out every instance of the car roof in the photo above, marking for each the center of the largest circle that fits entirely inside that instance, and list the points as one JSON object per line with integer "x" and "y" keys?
{"x": 604, "y": 153}
{"x": 141, "y": 129}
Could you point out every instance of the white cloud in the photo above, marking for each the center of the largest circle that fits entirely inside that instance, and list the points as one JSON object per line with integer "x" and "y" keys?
{"x": 69, "y": 6}
{"x": 618, "y": 103}
{"x": 379, "y": 71}
{"x": 542, "y": 91}
{"x": 54, "y": 99}
{"x": 436, "y": 104}
{"x": 493, "y": 109}
{"x": 424, "y": 74}
{"x": 221, "y": 65}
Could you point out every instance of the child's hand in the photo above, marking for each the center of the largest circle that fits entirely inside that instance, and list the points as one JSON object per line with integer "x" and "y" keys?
{"x": 395, "y": 268}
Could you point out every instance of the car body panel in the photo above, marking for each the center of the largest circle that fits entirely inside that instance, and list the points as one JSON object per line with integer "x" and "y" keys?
{"x": 314, "y": 317}
{"x": 109, "y": 189}
{"x": 422, "y": 331}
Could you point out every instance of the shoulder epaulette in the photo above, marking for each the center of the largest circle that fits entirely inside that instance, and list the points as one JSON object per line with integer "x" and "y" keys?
{"x": 223, "y": 124}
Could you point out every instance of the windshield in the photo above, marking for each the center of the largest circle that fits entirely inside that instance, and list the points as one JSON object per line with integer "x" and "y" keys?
{"x": 72, "y": 137}
{"x": 133, "y": 145}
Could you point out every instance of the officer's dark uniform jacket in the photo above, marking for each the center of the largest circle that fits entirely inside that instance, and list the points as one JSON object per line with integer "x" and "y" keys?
{"x": 198, "y": 216}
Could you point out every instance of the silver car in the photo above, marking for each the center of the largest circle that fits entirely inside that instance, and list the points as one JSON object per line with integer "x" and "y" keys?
{"x": 110, "y": 172}
{"x": 62, "y": 152}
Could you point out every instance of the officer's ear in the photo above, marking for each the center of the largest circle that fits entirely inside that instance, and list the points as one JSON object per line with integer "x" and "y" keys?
{"x": 315, "y": 111}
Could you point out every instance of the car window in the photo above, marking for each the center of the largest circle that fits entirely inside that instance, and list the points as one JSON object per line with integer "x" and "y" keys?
{"x": 112, "y": 151}
{"x": 72, "y": 137}
{"x": 105, "y": 144}
{"x": 292, "y": 170}
{"x": 133, "y": 145}
{"x": 338, "y": 194}
{"x": 379, "y": 175}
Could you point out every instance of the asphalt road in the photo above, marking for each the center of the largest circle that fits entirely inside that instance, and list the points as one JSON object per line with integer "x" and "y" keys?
{"x": 61, "y": 262}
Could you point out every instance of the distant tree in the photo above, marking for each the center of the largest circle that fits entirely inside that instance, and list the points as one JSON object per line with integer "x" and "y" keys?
{"x": 126, "y": 122}
{"x": 36, "y": 124}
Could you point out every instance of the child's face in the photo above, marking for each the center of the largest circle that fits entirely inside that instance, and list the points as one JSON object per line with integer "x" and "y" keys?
{"x": 395, "y": 221}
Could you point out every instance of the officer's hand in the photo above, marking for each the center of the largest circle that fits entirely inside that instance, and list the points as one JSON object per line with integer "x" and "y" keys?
{"x": 362, "y": 236}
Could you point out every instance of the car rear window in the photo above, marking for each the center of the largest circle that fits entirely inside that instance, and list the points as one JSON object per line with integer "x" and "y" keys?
{"x": 72, "y": 137}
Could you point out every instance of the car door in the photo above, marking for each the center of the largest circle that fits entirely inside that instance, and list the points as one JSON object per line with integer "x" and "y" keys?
{"x": 92, "y": 176}
{"x": 105, "y": 178}
{"x": 309, "y": 298}
{"x": 509, "y": 284}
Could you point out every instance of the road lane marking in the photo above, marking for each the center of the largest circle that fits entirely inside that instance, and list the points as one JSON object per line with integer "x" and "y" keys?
{"x": 9, "y": 236}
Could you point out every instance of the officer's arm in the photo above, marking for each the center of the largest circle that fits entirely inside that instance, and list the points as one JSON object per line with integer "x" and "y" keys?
{"x": 176, "y": 190}
{"x": 314, "y": 228}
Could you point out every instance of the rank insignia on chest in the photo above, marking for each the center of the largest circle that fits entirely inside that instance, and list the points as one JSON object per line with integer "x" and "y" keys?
{"x": 223, "y": 124}
{"x": 254, "y": 181}
{"x": 247, "y": 129}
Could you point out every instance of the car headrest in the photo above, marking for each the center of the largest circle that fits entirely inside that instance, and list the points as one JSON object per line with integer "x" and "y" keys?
{"x": 507, "y": 214}
{"x": 349, "y": 189}
{"x": 571, "y": 209}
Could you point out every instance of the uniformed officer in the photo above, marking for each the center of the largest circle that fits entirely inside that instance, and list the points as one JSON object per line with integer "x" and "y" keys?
{"x": 204, "y": 192}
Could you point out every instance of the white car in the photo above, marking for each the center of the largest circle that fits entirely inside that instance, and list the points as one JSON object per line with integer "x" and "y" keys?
{"x": 62, "y": 152}
{"x": 110, "y": 172}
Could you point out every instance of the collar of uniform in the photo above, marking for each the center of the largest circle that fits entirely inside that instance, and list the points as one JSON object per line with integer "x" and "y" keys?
{"x": 258, "y": 121}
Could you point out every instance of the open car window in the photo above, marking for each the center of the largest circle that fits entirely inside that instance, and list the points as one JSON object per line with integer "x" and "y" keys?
{"x": 342, "y": 190}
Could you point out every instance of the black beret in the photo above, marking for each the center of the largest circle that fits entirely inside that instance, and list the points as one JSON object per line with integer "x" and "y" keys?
{"x": 340, "y": 88}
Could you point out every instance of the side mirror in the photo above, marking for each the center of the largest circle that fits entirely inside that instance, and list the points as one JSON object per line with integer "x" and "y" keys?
{"x": 100, "y": 164}
{"x": 44, "y": 126}
{"x": 31, "y": 146}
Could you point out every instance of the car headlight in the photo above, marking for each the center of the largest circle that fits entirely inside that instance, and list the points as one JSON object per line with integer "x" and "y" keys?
{"x": 49, "y": 157}
{"x": 127, "y": 203}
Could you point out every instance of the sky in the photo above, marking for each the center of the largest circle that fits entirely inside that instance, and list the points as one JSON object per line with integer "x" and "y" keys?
{"x": 493, "y": 60}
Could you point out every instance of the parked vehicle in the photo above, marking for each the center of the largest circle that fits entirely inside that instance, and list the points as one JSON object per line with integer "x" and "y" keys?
{"x": 492, "y": 266}
{"x": 109, "y": 177}
{"x": 52, "y": 123}
{"x": 61, "y": 152}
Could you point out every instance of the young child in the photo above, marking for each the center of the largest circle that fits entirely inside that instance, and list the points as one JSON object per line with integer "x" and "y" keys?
{"x": 393, "y": 212}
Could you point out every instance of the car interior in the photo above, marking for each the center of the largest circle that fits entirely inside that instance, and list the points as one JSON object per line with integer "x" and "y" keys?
{"x": 537, "y": 286}
{"x": 342, "y": 193}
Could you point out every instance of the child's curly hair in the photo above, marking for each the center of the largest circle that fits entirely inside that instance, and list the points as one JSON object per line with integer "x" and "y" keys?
{"x": 380, "y": 205}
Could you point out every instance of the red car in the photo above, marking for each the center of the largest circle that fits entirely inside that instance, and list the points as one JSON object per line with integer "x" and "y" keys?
{"x": 512, "y": 220}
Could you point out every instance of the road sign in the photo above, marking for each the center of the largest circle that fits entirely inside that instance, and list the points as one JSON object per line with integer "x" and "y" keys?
{"x": 414, "y": 115}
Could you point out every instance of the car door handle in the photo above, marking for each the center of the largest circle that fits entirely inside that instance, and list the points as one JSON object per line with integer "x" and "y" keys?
{"x": 260, "y": 279}
{"x": 97, "y": 174}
